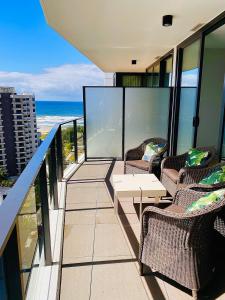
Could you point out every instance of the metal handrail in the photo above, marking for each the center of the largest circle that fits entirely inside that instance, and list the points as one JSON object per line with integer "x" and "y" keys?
{"x": 14, "y": 201}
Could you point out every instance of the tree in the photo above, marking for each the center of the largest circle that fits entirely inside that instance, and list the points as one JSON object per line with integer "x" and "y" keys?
{"x": 4, "y": 180}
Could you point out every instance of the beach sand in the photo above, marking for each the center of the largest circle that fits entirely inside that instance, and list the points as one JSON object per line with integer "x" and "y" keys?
{"x": 43, "y": 131}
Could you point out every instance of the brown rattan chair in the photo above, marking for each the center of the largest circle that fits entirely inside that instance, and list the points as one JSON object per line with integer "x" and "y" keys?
{"x": 175, "y": 175}
{"x": 179, "y": 244}
{"x": 220, "y": 220}
{"x": 133, "y": 163}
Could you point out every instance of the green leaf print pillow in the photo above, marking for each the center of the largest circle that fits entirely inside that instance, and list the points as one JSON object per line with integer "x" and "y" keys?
{"x": 196, "y": 157}
{"x": 206, "y": 200}
{"x": 218, "y": 176}
{"x": 152, "y": 149}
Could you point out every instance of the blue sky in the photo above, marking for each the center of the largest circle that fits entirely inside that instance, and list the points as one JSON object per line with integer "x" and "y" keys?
{"x": 31, "y": 51}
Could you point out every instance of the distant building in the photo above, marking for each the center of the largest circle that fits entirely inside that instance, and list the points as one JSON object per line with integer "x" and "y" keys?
{"x": 18, "y": 130}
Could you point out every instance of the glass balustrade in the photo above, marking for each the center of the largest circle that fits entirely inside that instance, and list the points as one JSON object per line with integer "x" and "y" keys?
{"x": 26, "y": 213}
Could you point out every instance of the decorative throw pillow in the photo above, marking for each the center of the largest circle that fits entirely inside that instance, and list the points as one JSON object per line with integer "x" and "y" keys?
{"x": 152, "y": 149}
{"x": 196, "y": 157}
{"x": 218, "y": 176}
{"x": 206, "y": 200}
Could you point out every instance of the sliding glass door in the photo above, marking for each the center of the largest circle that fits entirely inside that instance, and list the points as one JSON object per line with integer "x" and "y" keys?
{"x": 188, "y": 96}
{"x": 211, "y": 105}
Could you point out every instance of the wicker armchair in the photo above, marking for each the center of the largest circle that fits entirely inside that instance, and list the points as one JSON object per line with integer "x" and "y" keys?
{"x": 175, "y": 175}
{"x": 133, "y": 162}
{"x": 178, "y": 244}
{"x": 220, "y": 220}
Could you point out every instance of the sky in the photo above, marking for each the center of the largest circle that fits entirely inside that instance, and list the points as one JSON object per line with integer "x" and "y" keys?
{"x": 36, "y": 59}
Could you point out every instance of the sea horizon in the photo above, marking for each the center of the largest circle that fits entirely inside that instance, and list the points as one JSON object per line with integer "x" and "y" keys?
{"x": 50, "y": 112}
{"x": 54, "y": 100}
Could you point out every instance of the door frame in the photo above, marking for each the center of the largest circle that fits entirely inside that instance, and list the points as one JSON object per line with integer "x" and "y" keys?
{"x": 177, "y": 92}
{"x": 200, "y": 34}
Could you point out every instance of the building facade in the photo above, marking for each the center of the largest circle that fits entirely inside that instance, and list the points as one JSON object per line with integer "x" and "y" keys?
{"x": 18, "y": 130}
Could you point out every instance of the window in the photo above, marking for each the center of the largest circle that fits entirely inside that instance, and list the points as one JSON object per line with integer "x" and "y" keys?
{"x": 188, "y": 96}
{"x": 168, "y": 71}
{"x": 161, "y": 72}
{"x": 190, "y": 65}
{"x": 153, "y": 80}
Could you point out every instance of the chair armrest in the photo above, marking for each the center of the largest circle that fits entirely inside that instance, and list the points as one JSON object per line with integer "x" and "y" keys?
{"x": 135, "y": 153}
{"x": 162, "y": 217}
{"x": 186, "y": 196}
{"x": 179, "y": 229}
{"x": 162, "y": 221}
{"x": 193, "y": 174}
{"x": 174, "y": 162}
{"x": 183, "y": 220}
{"x": 206, "y": 187}
{"x": 155, "y": 159}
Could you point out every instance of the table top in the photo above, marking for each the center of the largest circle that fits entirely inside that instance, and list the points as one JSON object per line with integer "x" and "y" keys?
{"x": 132, "y": 185}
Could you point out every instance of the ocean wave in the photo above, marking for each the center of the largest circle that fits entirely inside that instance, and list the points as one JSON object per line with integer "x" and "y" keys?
{"x": 50, "y": 121}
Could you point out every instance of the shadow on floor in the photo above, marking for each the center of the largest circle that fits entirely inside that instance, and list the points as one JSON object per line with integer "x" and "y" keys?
{"x": 152, "y": 283}
{"x": 214, "y": 289}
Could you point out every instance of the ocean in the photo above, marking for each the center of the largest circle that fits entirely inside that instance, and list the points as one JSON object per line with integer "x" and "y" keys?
{"x": 50, "y": 112}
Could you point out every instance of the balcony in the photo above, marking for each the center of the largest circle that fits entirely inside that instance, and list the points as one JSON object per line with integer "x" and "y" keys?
{"x": 60, "y": 236}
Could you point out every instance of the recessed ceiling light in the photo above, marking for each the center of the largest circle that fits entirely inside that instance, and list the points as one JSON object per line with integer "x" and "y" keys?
{"x": 167, "y": 20}
{"x": 134, "y": 62}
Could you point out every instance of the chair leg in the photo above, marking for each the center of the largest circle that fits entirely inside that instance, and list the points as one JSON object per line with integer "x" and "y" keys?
{"x": 141, "y": 271}
{"x": 195, "y": 294}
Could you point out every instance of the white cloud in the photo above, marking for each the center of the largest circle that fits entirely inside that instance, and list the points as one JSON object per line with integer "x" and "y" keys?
{"x": 57, "y": 83}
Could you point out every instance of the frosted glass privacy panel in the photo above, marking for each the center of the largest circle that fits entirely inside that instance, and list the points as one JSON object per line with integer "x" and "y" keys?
{"x": 104, "y": 121}
{"x": 146, "y": 114}
{"x": 187, "y": 112}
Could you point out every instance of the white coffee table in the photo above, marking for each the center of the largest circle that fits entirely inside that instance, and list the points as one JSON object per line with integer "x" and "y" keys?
{"x": 137, "y": 185}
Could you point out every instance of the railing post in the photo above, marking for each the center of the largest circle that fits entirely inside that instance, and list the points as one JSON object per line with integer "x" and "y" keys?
{"x": 59, "y": 154}
{"x": 54, "y": 174}
{"x": 11, "y": 268}
{"x": 75, "y": 141}
{"x": 45, "y": 214}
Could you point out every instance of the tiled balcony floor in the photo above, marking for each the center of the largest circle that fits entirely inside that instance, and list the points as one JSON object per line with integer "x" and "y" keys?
{"x": 100, "y": 251}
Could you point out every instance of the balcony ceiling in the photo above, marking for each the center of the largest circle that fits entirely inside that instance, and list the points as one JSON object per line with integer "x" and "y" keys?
{"x": 112, "y": 33}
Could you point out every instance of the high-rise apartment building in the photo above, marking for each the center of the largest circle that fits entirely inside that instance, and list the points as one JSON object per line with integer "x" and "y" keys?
{"x": 18, "y": 130}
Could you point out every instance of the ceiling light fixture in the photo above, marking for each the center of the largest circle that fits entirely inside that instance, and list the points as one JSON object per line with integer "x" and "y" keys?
{"x": 167, "y": 20}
